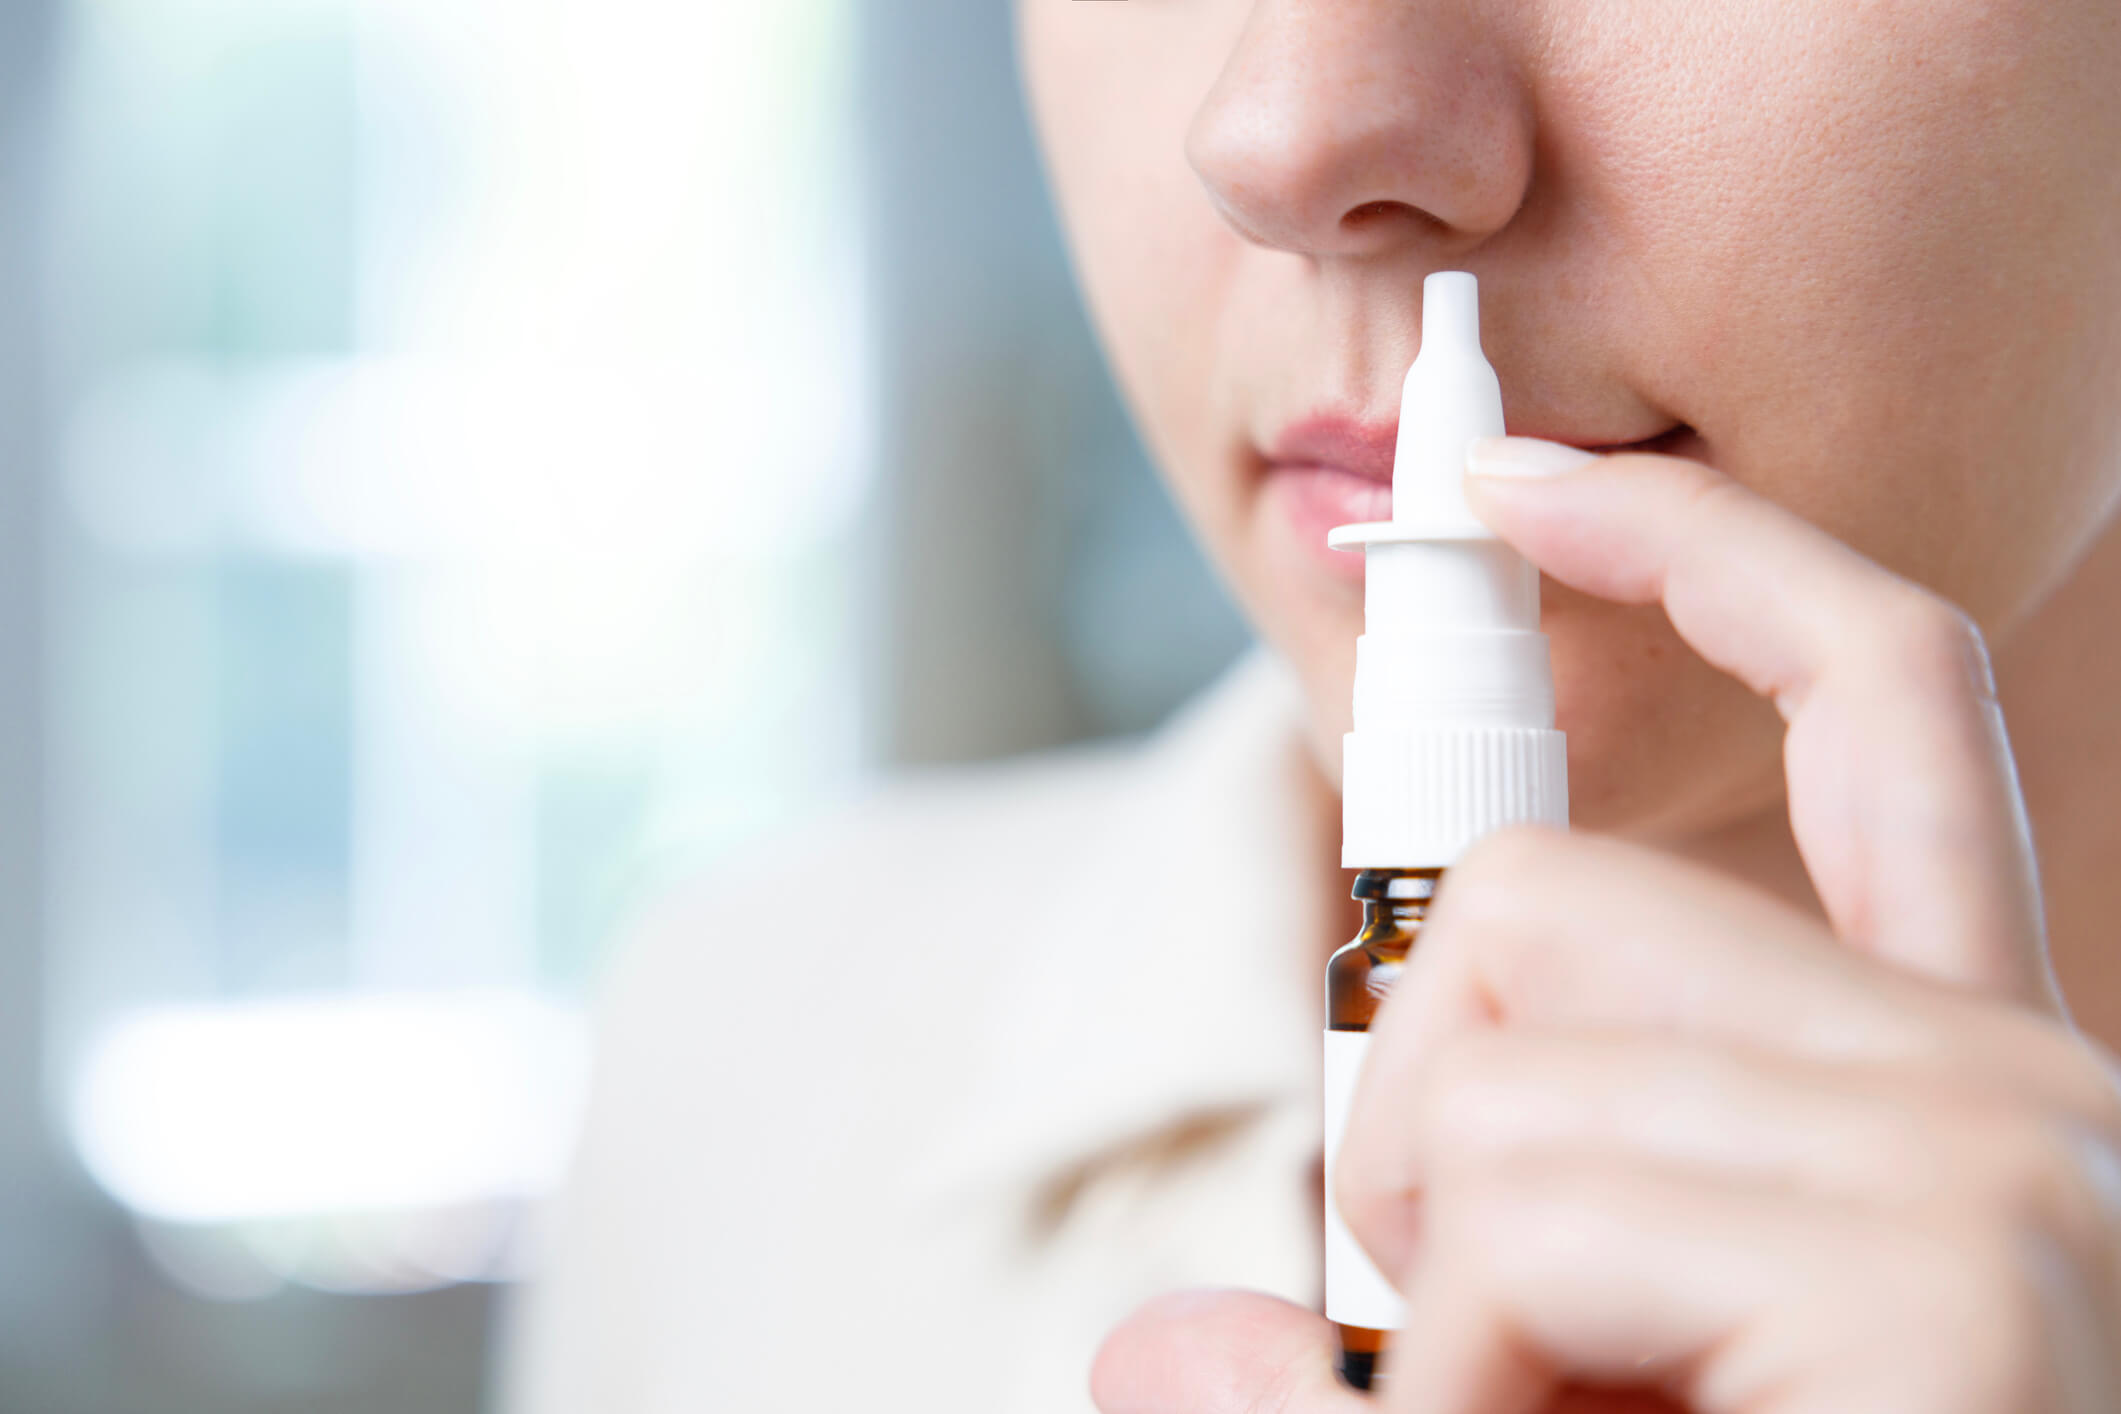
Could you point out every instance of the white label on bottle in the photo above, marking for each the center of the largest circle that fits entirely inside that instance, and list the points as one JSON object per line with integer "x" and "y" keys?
{"x": 1357, "y": 1294}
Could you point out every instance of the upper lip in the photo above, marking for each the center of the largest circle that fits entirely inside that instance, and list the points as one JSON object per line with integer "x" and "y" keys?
{"x": 1329, "y": 439}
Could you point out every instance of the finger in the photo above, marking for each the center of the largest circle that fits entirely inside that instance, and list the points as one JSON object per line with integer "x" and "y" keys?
{"x": 1889, "y": 1138}
{"x": 1221, "y": 1352}
{"x": 1724, "y": 1295}
{"x": 1540, "y": 927}
{"x": 1749, "y": 1114}
{"x": 1903, "y": 796}
{"x": 1544, "y": 930}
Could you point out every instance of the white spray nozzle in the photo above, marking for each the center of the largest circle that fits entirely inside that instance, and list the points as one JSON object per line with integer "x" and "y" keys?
{"x": 1454, "y": 699}
{"x": 1450, "y": 310}
{"x": 1451, "y": 396}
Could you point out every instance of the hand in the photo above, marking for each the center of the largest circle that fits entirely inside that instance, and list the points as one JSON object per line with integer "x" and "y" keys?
{"x": 1628, "y": 1124}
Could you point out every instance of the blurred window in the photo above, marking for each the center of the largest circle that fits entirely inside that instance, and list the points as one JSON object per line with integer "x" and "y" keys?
{"x": 462, "y": 441}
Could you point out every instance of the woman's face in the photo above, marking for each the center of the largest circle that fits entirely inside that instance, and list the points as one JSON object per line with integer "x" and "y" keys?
{"x": 1863, "y": 255}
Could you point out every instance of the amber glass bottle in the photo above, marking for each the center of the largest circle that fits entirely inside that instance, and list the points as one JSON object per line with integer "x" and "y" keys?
{"x": 1358, "y": 978}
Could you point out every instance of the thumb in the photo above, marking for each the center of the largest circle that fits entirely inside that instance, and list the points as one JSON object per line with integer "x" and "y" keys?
{"x": 1221, "y": 1352}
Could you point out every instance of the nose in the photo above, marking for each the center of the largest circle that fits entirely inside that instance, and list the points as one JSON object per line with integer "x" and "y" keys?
{"x": 1344, "y": 128}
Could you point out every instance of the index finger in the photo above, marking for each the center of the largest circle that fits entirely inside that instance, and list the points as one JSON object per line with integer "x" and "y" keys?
{"x": 1903, "y": 797}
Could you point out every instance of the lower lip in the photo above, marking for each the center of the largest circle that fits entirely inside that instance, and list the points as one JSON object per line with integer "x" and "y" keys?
{"x": 1311, "y": 500}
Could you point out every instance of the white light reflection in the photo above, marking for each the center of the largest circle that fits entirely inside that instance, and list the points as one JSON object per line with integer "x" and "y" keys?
{"x": 244, "y": 1111}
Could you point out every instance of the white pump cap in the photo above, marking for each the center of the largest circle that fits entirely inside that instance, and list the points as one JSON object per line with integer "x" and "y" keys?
{"x": 1454, "y": 693}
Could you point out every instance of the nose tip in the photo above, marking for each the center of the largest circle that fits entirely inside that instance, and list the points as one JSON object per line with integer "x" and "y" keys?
{"x": 1347, "y": 134}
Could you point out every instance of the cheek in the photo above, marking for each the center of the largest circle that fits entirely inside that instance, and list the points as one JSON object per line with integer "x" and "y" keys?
{"x": 1885, "y": 281}
{"x": 1661, "y": 745}
{"x": 1113, "y": 93}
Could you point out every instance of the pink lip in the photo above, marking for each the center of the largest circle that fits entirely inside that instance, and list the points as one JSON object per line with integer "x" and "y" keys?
{"x": 1326, "y": 471}
{"x": 1329, "y": 470}
{"x": 1364, "y": 450}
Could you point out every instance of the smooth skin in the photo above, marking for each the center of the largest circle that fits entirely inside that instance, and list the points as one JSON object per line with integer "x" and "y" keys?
{"x": 1630, "y": 1122}
{"x": 1756, "y": 1093}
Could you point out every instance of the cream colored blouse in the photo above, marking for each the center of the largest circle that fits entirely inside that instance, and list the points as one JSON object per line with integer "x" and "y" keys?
{"x": 906, "y": 1111}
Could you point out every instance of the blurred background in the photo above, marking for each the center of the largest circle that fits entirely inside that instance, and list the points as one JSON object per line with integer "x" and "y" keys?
{"x": 465, "y": 464}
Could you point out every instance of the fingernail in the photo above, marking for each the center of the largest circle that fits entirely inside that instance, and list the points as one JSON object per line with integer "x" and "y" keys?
{"x": 1523, "y": 457}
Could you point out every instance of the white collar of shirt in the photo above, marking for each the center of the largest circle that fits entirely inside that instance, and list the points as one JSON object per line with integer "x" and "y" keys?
{"x": 1161, "y": 979}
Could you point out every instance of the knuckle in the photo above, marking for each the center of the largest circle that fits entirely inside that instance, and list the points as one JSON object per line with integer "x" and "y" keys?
{"x": 1936, "y": 642}
{"x": 1533, "y": 1198}
{"x": 2082, "y": 1075}
{"x": 1494, "y": 890}
{"x": 1471, "y": 1212}
{"x": 2030, "y": 1174}
{"x": 2036, "y": 1243}
{"x": 1366, "y": 1190}
{"x": 2058, "y": 1165}
{"x": 1982, "y": 1297}
{"x": 1456, "y": 1094}
{"x": 1450, "y": 1119}
{"x": 1483, "y": 881}
{"x": 1356, "y": 1191}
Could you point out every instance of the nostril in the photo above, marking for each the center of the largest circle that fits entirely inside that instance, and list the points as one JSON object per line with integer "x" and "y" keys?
{"x": 1664, "y": 442}
{"x": 1370, "y": 213}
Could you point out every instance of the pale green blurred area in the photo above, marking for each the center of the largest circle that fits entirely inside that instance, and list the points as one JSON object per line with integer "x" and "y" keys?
{"x": 464, "y": 466}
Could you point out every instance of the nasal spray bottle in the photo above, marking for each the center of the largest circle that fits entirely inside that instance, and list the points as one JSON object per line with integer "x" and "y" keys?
{"x": 1454, "y": 731}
